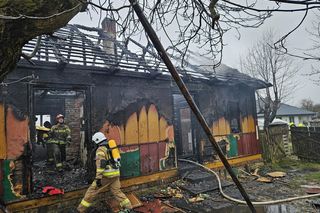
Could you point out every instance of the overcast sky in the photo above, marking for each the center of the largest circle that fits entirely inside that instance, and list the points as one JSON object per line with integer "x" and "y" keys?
{"x": 300, "y": 39}
{"x": 281, "y": 24}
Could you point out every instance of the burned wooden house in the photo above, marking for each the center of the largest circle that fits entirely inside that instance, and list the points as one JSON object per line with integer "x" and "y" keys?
{"x": 91, "y": 78}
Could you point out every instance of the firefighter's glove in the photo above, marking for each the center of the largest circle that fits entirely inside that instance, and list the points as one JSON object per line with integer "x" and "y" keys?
{"x": 98, "y": 182}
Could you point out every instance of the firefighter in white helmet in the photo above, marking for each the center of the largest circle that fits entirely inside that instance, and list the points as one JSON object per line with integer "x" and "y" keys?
{"x": 107, "y": 174}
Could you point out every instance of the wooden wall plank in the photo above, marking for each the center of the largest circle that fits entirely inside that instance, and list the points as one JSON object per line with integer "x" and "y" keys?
{"x": 143, "y": 125}
{"x": 153, "y": 124}
{"x": 163, "y": 125}
{"x": 248, "y": 124}
{"x": 144, "y": 159}
{"x": 131, "y": 130}
{"x": 154, "y": 157}
{"x": 122, "y": 133}
{"x": 221, "y": 127}
{"x": 3, "y": 143}
{"x": 17, "y": 133}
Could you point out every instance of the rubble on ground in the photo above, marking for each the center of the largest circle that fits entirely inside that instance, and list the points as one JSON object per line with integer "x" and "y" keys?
{"x": 71, "y": 178}
{"x": 197, "y": 190}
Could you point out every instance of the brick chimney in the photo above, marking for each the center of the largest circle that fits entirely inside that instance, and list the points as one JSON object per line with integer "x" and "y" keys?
{"x": 109, "y": 29}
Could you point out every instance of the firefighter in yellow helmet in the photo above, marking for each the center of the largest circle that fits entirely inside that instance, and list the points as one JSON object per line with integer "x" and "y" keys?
{"x": 107, "y": 174}
{"x": 60, "y": 136}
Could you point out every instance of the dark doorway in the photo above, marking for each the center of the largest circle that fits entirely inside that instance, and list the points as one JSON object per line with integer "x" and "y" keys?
{"x": 183, "y": 125}
{"x": 46, "y": 103}
{"x": 50, "y": 102}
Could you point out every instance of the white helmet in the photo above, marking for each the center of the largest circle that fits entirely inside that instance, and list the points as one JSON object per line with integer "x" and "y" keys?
{"x": 98, "y": 137}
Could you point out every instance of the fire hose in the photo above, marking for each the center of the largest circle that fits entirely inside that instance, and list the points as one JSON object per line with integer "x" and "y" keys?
{"x": 242, "y": 201}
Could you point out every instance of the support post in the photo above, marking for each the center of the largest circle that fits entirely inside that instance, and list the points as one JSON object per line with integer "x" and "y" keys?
{"x": 184, "y": 90}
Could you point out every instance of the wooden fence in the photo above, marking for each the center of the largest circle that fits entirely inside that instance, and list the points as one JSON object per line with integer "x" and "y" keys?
{"x": 274, "y": 143}
{"x": 306, "y": 143}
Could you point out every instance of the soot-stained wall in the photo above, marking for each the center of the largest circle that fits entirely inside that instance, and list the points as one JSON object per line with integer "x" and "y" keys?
{"x": 141, "y": 113}
{"x": 141, "y": 110}
{"x": 230, "y": 111}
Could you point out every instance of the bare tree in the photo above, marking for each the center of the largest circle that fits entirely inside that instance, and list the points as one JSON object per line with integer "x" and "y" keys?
{"x": 307, "y": 104}
{"x": 185, "y": 23}
{"x": 314, "y": 52}
{"x": 268, "y": 64}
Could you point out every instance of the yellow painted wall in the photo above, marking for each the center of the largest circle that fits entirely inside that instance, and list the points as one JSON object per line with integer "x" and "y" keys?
{"x": 131, "y": 130}
{"x": 153, "y": 124}
{"x": 145, "y": 128}
{"x": 163, "y": 124}
{"x": 143, "y": 125}
{"x": 3, "y": 145}
{"x": 122, "y": 135}
{"x": 248, "y": 124}
{"x": 221, "y": 127}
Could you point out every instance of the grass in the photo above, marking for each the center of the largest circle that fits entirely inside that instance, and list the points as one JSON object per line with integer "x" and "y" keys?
{"x": 287, "y": 164}
{"x": 314, "y": 176}
{"x": 309, "y": 171}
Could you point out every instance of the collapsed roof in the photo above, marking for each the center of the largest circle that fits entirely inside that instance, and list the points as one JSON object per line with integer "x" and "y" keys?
{"x": 84, "y": 46}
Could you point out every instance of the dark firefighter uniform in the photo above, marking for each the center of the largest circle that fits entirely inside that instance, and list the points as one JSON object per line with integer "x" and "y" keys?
{"x": 59, "y": 136}
{"x": 107, "y": 176}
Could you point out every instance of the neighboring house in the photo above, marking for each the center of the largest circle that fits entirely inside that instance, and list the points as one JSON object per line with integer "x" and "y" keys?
{"x": 92, "y": 79}
{"x": 290, "y": 114}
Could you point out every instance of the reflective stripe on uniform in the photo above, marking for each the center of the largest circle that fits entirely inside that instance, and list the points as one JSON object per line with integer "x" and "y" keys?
{"x": 111, "y": 173}
{"x": 85, "y": 203}
{"x": 100, "y": 170}
{"x": 53, "y": 141}
{"x": 125, "y": 202}
{"x": 50, "y": 159}
{"x": 58, "y": 164}
{"x": 101, "y": 153}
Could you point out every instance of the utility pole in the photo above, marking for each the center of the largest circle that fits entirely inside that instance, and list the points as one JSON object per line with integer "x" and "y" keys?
{"x": 184, "y": 90}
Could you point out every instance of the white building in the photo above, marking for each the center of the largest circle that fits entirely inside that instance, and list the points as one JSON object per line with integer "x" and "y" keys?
{"x": 290, "y": 114}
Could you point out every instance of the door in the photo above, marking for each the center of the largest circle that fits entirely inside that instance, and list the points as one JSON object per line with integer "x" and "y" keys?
{"x": 46, "y": 102}
{"x": 183, "y": 125}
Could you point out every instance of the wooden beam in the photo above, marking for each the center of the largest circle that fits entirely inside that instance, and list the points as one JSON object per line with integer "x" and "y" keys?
{"x": 21, "y": 205}
{"x": 3, "y": 143}
{"x": 77, "y": 194}
{"x": 235, "y": 161}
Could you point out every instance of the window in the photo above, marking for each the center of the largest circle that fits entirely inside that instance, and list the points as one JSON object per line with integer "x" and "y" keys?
{"x": 233, "y": 113}
{"x": 41, "y": 119}
{"x": 234, "y": 125}
{"x": 291, "y": 119}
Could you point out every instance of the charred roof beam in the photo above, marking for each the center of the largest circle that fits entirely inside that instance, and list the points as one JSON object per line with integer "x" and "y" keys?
{"x": 147, "y": 50}
{"x": 90, "y": 43}
{"x": 142, "y": 62}
{"x": 124, "y": 50}
{"x": 62, "y": 61}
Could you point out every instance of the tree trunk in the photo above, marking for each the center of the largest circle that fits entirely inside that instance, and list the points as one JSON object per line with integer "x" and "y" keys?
{"x": 22, "y": 21}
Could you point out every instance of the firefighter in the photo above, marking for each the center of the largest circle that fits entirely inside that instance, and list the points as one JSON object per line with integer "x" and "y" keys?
{"x": 107, "y": 175}
{"x": 59, "y": 136}
{"x": 291, "y": 124}
{"x": 42, "y": 134}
